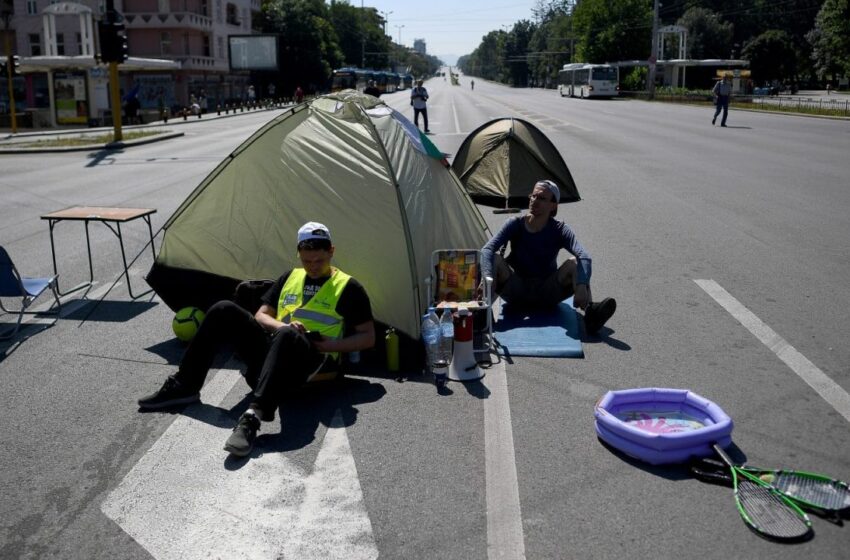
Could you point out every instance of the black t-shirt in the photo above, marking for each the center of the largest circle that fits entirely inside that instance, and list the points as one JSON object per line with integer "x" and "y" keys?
{"x": 353, "y": 305}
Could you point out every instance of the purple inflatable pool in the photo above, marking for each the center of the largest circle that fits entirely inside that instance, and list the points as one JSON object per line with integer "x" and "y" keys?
{"x": 661, "y": 426}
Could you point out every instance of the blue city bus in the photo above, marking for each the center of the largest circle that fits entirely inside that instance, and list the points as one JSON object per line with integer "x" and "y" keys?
{"x": 350, "y": 78}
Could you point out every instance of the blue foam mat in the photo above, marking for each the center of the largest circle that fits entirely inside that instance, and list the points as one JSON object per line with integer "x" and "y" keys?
{"x": 549, "y": 333}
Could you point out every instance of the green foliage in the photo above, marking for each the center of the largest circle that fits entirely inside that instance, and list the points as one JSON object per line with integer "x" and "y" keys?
{"x": 308, "y": 47}
{"x": 611, "y": 30}
{"x": 785, "y": 40}
{"x": 772, "y": 55}
{"x": 634, "y": 80}
{"x": 830, "y": 38}
{"x": 708, "y": 35}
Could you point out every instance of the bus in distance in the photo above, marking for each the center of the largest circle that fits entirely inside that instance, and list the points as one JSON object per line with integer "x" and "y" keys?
{"x": 588, "y": 80}
{"x": 351, "y": 78}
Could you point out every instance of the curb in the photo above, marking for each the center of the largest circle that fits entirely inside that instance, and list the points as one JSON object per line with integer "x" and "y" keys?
{"x": 93, "y": 147}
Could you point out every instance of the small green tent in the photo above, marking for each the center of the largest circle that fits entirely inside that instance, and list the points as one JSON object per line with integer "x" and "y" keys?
{"x": 346, "y": 160}
{"x": 500, "y": 161}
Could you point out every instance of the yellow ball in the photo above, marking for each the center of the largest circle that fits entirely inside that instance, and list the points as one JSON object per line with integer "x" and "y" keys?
{"x": 186, "y": 323}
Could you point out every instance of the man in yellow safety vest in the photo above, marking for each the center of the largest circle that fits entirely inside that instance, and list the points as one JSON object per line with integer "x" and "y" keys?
{"x": 307, "y": 318}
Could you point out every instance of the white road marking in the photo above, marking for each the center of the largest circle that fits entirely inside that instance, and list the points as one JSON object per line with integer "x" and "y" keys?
{"x": 504, "y": 517}
{"x": 457, "y": 122}
{"x": 828, "y": 389}
{"x": 182, "y": 502}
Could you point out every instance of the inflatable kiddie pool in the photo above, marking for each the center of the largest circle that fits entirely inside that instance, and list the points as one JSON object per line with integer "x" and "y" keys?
{"x": 661, "y": 426}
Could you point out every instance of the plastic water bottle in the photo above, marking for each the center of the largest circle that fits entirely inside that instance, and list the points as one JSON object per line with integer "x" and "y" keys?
{"x": 431, "y": 336}
{"x": 447, "y": 332}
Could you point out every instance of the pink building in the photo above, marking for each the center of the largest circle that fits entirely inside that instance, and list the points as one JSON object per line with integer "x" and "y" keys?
{"x": 191, "y": 32}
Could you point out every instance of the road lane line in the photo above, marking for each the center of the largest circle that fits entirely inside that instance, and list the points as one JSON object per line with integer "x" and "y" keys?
{"x": 180, "y": 501}
{"x": 828, "y": 389}
{"x": 457, "y": 122}
{"x": 504, "y": 517}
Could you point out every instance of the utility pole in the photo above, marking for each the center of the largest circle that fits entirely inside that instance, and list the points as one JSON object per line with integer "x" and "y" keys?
{"x": 386, "y": 19}
{"x": 653, "y": 55}
{"x": 362, "y": 36}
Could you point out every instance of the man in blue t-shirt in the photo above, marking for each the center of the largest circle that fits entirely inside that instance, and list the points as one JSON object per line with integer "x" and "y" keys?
{"x": 530, "y": 275}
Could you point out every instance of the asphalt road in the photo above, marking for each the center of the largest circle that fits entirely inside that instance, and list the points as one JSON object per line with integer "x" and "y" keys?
{"x": 760, "y": 208}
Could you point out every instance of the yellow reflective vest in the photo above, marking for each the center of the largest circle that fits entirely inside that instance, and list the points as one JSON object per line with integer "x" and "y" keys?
{"x": 319, "y": 314}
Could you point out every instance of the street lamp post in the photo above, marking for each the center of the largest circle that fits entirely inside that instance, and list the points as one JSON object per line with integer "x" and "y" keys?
{"x": 386, "y": 19}
{"x": 6, "y": 14}
{"x": 399, "y": 27}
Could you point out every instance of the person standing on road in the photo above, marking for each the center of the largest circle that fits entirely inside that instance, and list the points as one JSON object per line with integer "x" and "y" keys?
{"x": 472, "y": 85}
{"x": 419, "y": 100}
{"x": 722, "y": 92}
{"x": 529, "y": 276}
{"x": 307, "y": 318}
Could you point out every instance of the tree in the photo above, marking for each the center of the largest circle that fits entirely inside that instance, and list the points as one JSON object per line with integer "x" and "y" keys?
{"x": 772, "y": 56}
{"x": 608, "y": 30}
{"x": 708, "y": 35}
{"x": 353, "y": 24}
{"x": 308, "y": 48}
{"x": 830, "y": 38}
{"x": 516, "y": 53}
{"x": 487, "y": 61}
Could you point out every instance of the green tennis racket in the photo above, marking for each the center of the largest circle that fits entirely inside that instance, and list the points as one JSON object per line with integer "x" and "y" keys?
{"x": 764, "y": 509}
{"x": 812, "y": 491}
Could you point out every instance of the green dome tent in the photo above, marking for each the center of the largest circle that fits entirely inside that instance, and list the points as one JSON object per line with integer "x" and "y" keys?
{"x": 500, "y": 161}
{"x": 346, "y": 160}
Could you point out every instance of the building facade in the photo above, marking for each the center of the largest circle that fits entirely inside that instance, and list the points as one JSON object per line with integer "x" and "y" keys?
{"x": 191, "y": 32}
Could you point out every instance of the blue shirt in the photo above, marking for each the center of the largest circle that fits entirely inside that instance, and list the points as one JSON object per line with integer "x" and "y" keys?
{"x": 534, "y": 255}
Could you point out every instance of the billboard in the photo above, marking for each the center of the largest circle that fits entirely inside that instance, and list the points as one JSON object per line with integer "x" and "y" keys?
{"x": 252, "y": 52}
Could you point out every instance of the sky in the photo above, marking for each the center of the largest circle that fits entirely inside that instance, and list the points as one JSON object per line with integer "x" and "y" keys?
{"x": 451, "y": 28}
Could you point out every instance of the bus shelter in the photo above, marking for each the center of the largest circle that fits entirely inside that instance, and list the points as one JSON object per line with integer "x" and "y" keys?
{"x": 78, "y": 87}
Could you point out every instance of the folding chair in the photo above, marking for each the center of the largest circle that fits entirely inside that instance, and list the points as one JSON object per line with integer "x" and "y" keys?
{"x": 453, "y": 283}
{"x": 13, "y": 285}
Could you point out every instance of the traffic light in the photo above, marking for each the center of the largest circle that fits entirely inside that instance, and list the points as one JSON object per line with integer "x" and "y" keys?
{"x": 113, "y": 38}
{"x": 16, "y": 65}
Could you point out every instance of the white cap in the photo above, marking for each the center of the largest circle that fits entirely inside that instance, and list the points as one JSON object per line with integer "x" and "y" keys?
{"x": 313, "y": 230}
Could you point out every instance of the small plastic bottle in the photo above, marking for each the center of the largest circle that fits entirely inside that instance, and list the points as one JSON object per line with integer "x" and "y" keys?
{"x": 431, "y": 337}
{"x": 447, "y": 332}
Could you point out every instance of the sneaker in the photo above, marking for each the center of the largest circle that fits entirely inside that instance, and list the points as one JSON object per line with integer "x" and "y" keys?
{"x": 596, "y": 314}
{"x": 172, "y": 393}
{"x": 714, "y": 120}
{"x": 241, "y": 441}
{"x": 723, "y": 125}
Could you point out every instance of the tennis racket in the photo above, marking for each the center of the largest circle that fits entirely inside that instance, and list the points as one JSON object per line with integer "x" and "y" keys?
{"x": 764, "y": 509}
{"x": 809, "y": 490}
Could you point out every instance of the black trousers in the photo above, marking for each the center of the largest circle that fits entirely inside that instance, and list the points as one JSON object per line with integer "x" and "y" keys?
{"x": 424, "y": 116}
{"x": 277, "y": 362}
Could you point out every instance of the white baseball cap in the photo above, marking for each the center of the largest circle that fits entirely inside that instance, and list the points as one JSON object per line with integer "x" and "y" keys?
{"x": 313, "y": 230}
